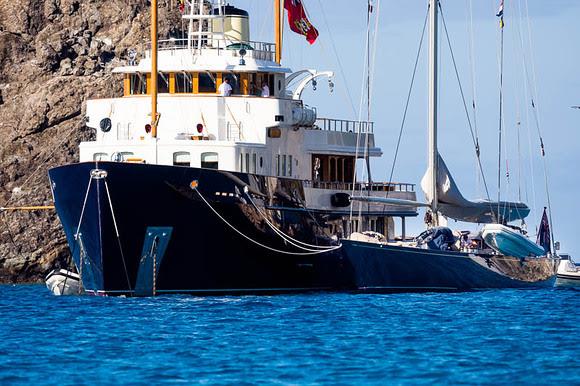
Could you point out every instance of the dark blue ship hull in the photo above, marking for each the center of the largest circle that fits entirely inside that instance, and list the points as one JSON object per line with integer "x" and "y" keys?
{"x": 380, "y": 267}
{"x": 201, "y": 252}
{"x": 151, "y": 229}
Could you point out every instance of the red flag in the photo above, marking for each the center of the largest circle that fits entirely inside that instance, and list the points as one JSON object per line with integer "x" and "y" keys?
{"x": 298, "y": 20}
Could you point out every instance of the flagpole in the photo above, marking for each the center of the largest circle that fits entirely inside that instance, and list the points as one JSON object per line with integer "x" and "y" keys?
{"x": 154, "y": 119}
{"x": 278, "y": 29}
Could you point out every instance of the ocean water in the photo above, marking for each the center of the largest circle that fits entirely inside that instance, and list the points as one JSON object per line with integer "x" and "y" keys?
{"x": 491, "y": 337}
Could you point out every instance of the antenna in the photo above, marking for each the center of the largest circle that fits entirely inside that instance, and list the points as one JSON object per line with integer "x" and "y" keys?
{"x": 242, "y": 53}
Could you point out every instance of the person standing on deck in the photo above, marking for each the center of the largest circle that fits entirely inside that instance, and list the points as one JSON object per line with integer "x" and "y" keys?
{"x": 265, "y": 90}
{"x": 225, "y": 88}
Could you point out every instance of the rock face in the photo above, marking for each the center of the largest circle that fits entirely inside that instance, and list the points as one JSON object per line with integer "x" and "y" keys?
{"x": 54, "y": 55}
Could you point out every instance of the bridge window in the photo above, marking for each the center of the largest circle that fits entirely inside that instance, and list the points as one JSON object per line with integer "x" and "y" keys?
{"x": 183, "y": 83}
{"x": 181, "y": 158}
{"x": 327, "y": 168}
{"x": 137, "y": 84}
{"x": 247, "y": 162}
{"x": 209, "y": 160}
{"x": 253, "y": 87}
{"x": 290, "y": 165}
{"x": 254, "y": 163}
{"x": 162, "y": 83}
{"x": 207, "y": 82}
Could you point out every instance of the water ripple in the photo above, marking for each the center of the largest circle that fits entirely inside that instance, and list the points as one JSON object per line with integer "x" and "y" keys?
{"x": 498, "y": 337}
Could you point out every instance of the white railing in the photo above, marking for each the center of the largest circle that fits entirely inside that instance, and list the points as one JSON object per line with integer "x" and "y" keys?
{"x": 344, "y": 126}
{"x": 373, "y": 187}
{"x": 254, "y": 49}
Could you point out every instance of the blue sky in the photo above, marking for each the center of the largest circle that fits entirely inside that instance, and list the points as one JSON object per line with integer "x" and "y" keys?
{"x": 553, "y": 53}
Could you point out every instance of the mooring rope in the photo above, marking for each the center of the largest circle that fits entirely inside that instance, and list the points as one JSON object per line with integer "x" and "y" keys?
{"x": 257, "y": 242}
{"x": 15, "y": 208}
{"x": 297, "y": 243}
{"x": 118, "y": 237}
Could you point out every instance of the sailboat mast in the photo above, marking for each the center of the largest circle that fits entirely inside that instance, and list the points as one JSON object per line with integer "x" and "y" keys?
{"x": 367, "y": 145}
{"x": 278, "y": 29}
{"x": 154, "y": 119}
{"x": 433, "y": 62}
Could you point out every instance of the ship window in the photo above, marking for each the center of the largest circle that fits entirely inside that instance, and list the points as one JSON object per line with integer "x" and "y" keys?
{"x": 100, "y": 157}
{"x": 247, "y": 162}
{"x": 183, "y": 83}
{"x": 126, "y": 155}
{"x": 284, "y": 165}
{"x": 254, "y": 163}
{"x": 181, "y": 158}
{"x": 333, "y": 169}
{"x": 241, "y": 162}
{"x": 269, "y": 79}
{"x": 162, "y": 83}
{"x": 278, "y": 165}
{"x": 209, "y": 160}
{"x": 254, "y": 88}
{"x": 137, "y": 84}
{"x": 261, "y": 162}
{"x": 207, "y": 82}
{"x": 290, "y": 165}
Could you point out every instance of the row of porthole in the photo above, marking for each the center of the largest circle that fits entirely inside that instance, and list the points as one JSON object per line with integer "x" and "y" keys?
{"x": 249, "y": 163}
{"x": 180, "y": 158}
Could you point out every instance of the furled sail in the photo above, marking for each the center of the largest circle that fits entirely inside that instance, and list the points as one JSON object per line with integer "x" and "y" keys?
{"x": 453, "y": 205}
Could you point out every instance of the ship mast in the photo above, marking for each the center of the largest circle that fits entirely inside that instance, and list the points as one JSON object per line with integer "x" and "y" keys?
{"x": 433, "y": 61}
{"x": 154, "y": 116}
{"x": 278, "y": 29}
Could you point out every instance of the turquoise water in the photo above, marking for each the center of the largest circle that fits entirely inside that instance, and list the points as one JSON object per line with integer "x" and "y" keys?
{"x": 499, "y": 337}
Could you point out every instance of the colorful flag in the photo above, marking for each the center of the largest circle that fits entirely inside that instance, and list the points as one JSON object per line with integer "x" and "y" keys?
{"x": 181, "y": 5}
{"x": 500, "y": 11}
{"x": 500, "y": 15}
{"x": 298, "y": 20}
{"x": 544, "y": 239}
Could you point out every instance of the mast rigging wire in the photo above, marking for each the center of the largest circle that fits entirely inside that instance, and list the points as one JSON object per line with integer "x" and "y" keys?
{"x": 474, "y": 136}
{"x": 474, "y": 90}
{"x": 404, "y": 119}
{"x": 537, "y": 119}
{"x": 500, "y": 117}
{"x": 366, "y": 70}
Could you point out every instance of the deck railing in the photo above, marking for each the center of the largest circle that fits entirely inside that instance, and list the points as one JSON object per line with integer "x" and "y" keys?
{"x": 344, "y": 125}
{"x": 373, "y": 187}
{"x": 254, "y": 49}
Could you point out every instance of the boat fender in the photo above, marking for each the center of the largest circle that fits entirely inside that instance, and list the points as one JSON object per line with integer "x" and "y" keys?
{"x": 105, "y": 125}
{"x": 340, "y": 200}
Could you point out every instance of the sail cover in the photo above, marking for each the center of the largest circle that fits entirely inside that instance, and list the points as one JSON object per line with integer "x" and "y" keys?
{"x": 453, "y": 205}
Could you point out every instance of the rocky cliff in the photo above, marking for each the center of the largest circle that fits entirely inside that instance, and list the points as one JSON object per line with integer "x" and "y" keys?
{"x": 54, "y": 55}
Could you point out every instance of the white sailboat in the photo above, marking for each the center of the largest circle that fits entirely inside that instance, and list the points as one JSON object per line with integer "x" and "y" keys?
{"x": 568, "y": 272}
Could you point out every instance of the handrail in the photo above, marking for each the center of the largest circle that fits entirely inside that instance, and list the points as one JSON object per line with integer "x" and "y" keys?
{"x": 373, "y": 186}
{"x": 255, "y": 49}
{"x": 344, "y": 126}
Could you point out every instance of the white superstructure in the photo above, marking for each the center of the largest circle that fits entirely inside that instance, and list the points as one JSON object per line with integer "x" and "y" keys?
{"x": 275, "y": 135}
